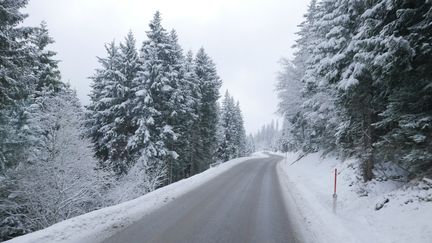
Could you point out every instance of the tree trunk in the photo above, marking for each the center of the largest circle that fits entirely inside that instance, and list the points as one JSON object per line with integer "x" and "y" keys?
{"x": 368, "y": 162}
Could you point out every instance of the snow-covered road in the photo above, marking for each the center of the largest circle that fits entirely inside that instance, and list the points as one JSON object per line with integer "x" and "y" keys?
{"x": 244, "y": 204}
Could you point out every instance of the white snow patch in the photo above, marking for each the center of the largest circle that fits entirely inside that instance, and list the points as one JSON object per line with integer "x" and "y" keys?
{"x": 103, "y": 223}
{"x": 166, "y": 88}
{"x": 140, "y": 93}
{"x": 405, "y": 214}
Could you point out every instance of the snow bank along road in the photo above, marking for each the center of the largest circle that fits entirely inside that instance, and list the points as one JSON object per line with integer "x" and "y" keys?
{"x": 243, "y": 204}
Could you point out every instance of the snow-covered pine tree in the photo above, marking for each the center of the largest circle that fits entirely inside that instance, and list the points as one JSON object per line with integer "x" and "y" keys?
{"x": 190, "y": 154}
{"x": 16, "y": 81}
{"x": 160, "y": 76}
{"x": 289, "y": 91}
{"x": 292, "y": 89}
{"x": 240, "y": 132}
{"x": 209, "y": 84}
{"x": 232, "y": 142}
{"x": 16, "y": 58}
{"x": 147, "y": 172}
{"x": 185, "y": 124}
{"x": 184, "y": 113}
{"x": 46, "y": 68}
{"x": 321, "y": 118}
{"x": 250, "y": 145}
{"x": 48, "y": 84}
{"x": 227, "y": 146}
{"x": 405, "y": 123}
{"x": 101, "y": 117}
{"x": 358, "y": 95}
{"x": 121, "y": 129}
{"x": 381, "y": 55}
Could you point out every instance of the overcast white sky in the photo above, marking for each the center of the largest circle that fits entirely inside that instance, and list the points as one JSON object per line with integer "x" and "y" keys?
{"x": 245, "y": 38}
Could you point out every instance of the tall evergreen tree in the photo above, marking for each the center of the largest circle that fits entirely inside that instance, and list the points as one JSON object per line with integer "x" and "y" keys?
{"x": 240, "y": 131}
{"x": 250, "y": 145}
{"x": 404, "y": 50}
{"x": 232, "y": 143}
{"x": 17, "y": 81}
{"x": 160, "y": 76}
{"x": 188, "y": 98}
{"x": 227, "y": 146}
{"x": 46, "y": 70}
{"x": 101, "y": 117}
{"x": 48, "y": 85}
{"x": 209, "y": 84}
{"x": 182, "y": 114}
{"x": 293, "y": 89}
{"x": 15, "y": 54}
{"x": 118, "y": 133}
{"x": 191, "y": 128}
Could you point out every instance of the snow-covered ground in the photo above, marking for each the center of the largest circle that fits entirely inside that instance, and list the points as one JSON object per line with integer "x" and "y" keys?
{"x": 405, "y": 214}
{"x": 100, "y": 224}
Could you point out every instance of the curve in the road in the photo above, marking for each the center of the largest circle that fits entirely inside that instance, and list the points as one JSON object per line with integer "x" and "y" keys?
{"x": 243, "y": 204}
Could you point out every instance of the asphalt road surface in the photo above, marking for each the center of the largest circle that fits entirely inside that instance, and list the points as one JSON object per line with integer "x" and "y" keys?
{"x": 243, "y": 204}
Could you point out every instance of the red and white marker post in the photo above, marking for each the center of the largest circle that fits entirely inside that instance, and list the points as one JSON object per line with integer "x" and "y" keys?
{"x": 334, "y": 192}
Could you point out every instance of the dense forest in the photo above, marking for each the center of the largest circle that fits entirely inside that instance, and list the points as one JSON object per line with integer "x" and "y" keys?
{"x": 267, "y": 138}
{"x": 360, "y": 84}
{"x": 154, "y": 118}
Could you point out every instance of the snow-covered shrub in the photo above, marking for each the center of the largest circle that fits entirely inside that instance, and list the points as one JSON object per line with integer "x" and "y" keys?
{"x": 59, "y": 180}
{"x": 141, "y": 179}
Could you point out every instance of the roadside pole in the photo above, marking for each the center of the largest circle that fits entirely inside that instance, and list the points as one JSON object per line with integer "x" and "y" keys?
{"x": 334, "y": 192}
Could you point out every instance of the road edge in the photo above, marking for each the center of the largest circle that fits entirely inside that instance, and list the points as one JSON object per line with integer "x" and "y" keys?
{"x": 101, "y": 224}
{"x": 295, "y": 212}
